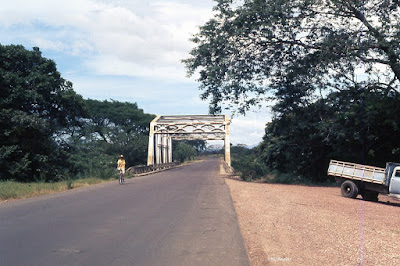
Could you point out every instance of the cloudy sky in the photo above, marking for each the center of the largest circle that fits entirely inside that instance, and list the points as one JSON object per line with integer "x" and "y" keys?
{"x": 126, "y": 50}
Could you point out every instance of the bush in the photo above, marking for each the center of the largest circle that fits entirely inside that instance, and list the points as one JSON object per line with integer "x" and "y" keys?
{"x": 249, "y": 167}
{"x": 285, "y": 178}
{"x": 100, "y": 172}
{"x": 184, "y": 152}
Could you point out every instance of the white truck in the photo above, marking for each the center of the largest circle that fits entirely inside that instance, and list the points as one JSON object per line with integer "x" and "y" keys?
{"x": 368, "y": 181}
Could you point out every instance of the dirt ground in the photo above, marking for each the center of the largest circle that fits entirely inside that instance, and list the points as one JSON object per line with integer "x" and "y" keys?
{"x": 302, "y": 225}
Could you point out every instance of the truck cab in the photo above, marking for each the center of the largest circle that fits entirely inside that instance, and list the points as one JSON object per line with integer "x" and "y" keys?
{"x": 393, "y": 178}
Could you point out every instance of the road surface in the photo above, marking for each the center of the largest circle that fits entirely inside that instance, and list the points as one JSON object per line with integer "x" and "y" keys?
{"x": 183, "y": 216}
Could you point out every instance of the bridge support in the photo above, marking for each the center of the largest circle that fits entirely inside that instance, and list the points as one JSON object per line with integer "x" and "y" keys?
{"x": 150, "y": 152}
{"x": 227, "y": 143}
{"x": 184, "y": 127}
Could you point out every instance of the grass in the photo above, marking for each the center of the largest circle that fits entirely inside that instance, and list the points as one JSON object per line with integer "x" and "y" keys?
{"x": 13, "y": 190}
{"x": 10, "y": 190}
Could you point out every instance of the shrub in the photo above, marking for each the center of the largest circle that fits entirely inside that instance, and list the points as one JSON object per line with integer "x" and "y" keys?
{"x": 249, "y": 167}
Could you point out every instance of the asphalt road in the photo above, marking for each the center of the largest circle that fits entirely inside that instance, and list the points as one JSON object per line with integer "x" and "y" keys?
{"x": 183, "y": 216}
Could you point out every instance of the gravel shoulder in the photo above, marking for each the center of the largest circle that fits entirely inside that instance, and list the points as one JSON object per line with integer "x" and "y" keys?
{"x": 303, "y": 225}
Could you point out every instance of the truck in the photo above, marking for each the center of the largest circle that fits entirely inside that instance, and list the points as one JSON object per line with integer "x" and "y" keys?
{"x": 367, "y": 181}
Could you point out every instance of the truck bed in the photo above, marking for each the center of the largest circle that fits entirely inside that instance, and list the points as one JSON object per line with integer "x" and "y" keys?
{"x": 354, "y": 171}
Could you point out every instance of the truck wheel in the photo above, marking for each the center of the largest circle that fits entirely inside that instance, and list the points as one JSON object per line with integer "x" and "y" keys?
{"x": 370, "y": 195}
{"x": 349, "y": 189}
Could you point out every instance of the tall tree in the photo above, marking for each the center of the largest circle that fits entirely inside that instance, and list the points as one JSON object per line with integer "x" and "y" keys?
{"x": 113, "y": 128}
{"x": 36, "y": 107}
{"x": 295, "y": 49}
{"x": 329, "y": 66}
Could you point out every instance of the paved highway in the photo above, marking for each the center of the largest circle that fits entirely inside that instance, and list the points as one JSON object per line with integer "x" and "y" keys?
{"x": 183, "y": 216}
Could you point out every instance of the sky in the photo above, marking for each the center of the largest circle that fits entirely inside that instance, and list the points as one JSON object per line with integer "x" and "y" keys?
{"x": 125, "y": 50}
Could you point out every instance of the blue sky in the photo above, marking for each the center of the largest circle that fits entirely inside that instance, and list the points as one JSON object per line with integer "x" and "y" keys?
{"x": 126, "y": 50}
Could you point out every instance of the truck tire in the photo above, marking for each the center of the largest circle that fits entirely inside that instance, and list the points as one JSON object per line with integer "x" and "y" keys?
{"x": 369, "y": 195}
{"x": 349, "y": 189}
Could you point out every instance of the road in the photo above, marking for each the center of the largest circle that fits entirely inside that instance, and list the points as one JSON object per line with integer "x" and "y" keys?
{"x": 183, "y": 216}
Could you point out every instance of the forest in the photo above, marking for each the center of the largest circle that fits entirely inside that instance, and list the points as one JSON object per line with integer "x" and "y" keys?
{"x": 50, "y": 133}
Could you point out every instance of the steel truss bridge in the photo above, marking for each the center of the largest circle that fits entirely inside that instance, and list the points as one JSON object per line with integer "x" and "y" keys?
{"x": 185, "y": 127}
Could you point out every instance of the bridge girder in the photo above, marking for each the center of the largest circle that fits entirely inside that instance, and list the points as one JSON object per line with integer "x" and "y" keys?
{"x": 185, "y": 127}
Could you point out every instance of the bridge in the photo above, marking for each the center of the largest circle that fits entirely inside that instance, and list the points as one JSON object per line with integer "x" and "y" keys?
{"x": 163, "y": 129}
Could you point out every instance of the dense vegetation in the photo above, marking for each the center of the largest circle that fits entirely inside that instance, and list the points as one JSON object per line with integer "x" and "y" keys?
{"x": 48, "y": 132}
{"x": 184, "y": 150}
{"x": 330, "y": 69}
{"x": 110, "y": 129}
{"x": 247, "y": 163}
{"x": 351, "y": 126}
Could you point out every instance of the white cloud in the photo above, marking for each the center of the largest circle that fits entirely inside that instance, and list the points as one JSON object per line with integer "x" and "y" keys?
{"x": 48, "y": 44}
{"x": 112, "y": 65}
{"x": 158, "y": 97}
{"x": 123, "y": 37}
{"x": 52, "y": 13}
{"x": 143, "y": 42}
{"x": 80, "y": 47}
{"x": 127, "y": 50}
{"x": 250, "y": 129}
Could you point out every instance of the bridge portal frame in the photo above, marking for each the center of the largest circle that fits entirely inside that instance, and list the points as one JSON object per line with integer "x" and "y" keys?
{"x": 164, "y": 128}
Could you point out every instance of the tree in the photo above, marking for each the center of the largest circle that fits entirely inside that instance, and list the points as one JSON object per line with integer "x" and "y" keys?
{"x": 109, "y": 118}
{"x": 111, "y": 128}
{"x": 295, "y": 50}
{"x": 183, "y": 151}
{"x": 198, "y": 144}
{"x": 37, "y": 108}
{"x": 328, "y": 66}
{"x": 349, "y": 126}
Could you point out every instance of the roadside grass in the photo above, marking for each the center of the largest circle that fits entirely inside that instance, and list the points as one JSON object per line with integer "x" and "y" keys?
{"x": 10, "y": 190}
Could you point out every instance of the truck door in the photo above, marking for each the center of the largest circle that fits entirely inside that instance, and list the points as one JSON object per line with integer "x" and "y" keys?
{"x": 394, "y": 187}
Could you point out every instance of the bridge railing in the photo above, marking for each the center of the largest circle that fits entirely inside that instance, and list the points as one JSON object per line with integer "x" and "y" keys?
{"x": 149, "y": 168}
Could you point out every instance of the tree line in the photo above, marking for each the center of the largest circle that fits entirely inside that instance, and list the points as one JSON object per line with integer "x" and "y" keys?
{"x": 48, "y": 132}
{"x": 330, "y": 70}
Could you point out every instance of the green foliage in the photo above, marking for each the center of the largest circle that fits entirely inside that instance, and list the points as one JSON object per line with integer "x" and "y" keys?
{"x": 247, "y": 163}
{"x": 18, "y": 190}
{"x": 15, "y": 190}
{"x": 91, "y": 159}
{"x": 35, "y": 108}
{"x": 240, "y": 150}
{"x": 353, "y": 125}
{"x": 112, "y": 128}
{"x": 292, "y": 49}
{"x": 198, "y": 144}
{"x": 307, "y": 56}
{"x": 250, "y": 167}
{"x": 69, "y": 183}
{"x": 118, "y": 128}
{"x": 183, "y": 152}
{"x": 111, "y": 119}
{"x": 50, "y": 133}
